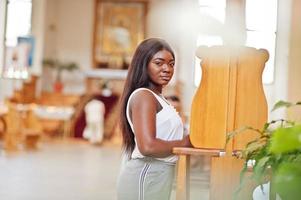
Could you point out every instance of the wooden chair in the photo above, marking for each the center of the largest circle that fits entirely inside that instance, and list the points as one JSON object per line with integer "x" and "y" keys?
{"x": 12, "y": 136}
{"x": 22, "y": 127}
{"x": 230, "y": 96}
{"x": 3, "y": 112}
{"x": 32, "y": 131}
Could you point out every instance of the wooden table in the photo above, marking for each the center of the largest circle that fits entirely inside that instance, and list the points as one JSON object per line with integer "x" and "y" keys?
{"x": 60, "y": 113}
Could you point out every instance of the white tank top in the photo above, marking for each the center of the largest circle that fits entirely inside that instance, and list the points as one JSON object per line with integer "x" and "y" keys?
{"x": 169, "y": 125}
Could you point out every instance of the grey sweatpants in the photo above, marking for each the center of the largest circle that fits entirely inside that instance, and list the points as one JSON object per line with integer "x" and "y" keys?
{"x": 145, "y": 179}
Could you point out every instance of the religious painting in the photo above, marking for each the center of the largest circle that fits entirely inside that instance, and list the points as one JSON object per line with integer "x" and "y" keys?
{"x": 119, "y": 27}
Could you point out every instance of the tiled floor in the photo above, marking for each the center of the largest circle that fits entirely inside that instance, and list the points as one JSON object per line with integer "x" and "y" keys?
{"x": 71, "y": 170}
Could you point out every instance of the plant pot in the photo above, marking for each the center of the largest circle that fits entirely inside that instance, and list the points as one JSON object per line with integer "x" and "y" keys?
{"x": 58, "y": 87}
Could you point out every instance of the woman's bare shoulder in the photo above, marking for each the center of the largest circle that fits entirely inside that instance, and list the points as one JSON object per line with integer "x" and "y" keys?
{"x": 143, "y": 97}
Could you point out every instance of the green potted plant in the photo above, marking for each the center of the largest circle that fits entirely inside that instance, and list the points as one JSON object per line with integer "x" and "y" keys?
{"x": 59, "y": 67}
{"x": 276, "y": 156}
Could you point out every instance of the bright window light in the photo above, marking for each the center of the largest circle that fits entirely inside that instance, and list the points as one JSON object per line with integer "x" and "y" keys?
{"x": 213, "y": 19}
{"x": 18, "y": 20}
{"x": 261, "y": 24}
{"x": 213, "y": 3}
{"x": 213, "y": 13}
{"x": 261, "y": 15}
{"x": 214, "y": 9}
{"x": 18, "y": 24}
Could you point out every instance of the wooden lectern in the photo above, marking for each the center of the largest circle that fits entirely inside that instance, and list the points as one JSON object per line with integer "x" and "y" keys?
{"x": 229, "y": 97}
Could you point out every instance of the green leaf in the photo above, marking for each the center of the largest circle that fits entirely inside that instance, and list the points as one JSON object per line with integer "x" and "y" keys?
{"x": 281, "y": 104}
{"x": 260, "y": 168}
{"x": 262, "y": 162}
{"x": 286, "y": 139}
{"x": 232, "y": 134}
{"x": 266, "y": 126}
{"x": 287, "y": 181}
{"x": 254, "y": 146}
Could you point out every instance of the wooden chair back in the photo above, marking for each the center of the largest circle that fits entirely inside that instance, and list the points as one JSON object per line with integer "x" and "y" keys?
{"x": 230, "y": 96}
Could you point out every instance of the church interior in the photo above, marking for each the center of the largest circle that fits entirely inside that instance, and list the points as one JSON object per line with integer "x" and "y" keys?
{"x": 63, "y": 65}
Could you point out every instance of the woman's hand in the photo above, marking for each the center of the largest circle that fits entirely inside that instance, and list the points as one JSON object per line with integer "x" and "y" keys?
{"x": 186, "y": 141}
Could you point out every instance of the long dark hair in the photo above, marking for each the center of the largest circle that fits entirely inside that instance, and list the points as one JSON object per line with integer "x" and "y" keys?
{"x": 138, "y": 77}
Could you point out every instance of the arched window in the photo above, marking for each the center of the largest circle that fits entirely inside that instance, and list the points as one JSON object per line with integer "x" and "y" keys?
{"x": 260, "y": 28}
{"x": 18, "y": 20}
{"x": 18, "y": 46}
{"x": 212, "y": 20}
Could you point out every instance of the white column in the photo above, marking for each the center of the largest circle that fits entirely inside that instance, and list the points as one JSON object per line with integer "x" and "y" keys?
{"x": 278, "y": 90}
{"x": 38, "y": 31}
{"x": 3, "y": 83}
{"x": 294, "y": 70}
{"x": 2, "y": 31}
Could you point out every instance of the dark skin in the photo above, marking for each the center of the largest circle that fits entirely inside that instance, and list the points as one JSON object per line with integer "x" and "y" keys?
{"x": 144, "y": 107}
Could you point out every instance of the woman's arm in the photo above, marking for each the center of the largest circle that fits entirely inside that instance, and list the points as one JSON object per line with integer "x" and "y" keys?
{"x": 143, "y": 108}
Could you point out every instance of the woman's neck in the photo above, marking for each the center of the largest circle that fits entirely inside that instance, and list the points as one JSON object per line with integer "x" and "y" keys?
{"x": 155, "y": 89}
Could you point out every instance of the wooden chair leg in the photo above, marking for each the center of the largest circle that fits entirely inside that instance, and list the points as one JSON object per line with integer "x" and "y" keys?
{"x": 224, "y": 178}
{"x": 183, "y": 177}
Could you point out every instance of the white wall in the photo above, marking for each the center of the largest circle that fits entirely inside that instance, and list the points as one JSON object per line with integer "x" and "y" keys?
{"x": 294, "y": 78}
{"x": 50, "y": 28}
{"x": 69, "y": 38}
{"x": 69, "y": 27}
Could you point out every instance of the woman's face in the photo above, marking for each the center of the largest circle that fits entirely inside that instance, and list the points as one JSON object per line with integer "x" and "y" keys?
{"x": 161, "y": 67}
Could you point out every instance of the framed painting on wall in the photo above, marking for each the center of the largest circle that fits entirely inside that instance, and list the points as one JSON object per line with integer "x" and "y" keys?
{"x": 119, "y": 27}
